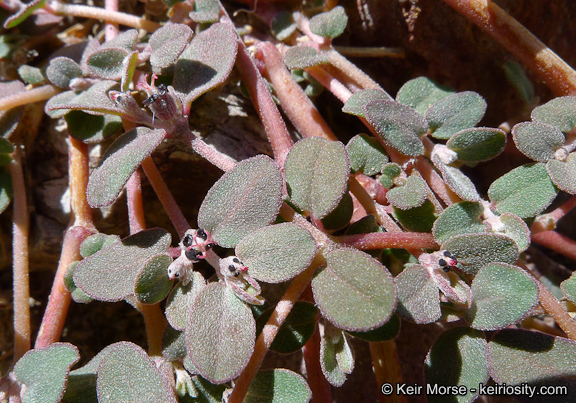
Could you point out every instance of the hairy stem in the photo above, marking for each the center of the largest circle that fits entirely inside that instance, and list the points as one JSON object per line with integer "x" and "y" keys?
{"x": 28, "y": 97}
{"x": 271, "y": 328}
{"x": 212, "y": 155}
{"x": 381, "y": 240}
{"x": 111, "y": 30}
{"x": 534, "y": 54}
{"x": 554, "y": 309}
{"x": 557, "y": 242}
{"x": 78, "y": 163}
{"x": 547, "y": 222}
{"x": 352, "y": 73}
{"x": 96, "y": 13}
{"x": 21, "y": 283}
{"x": 135, "y": 204}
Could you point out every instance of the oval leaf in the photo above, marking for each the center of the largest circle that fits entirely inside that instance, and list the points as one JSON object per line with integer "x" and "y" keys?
{"x": 317, "y": 174}
{"x": 94, "y": 100}
{"x": 127, "y": 374}
{"x": 277, "y": 253}
{"x": 61, "y": 70}
{"x": 243, "y": 200}
{"x": 388, "y": 331}
{"x": 45, "y": 372}
{"x": 476, "y": 250}
{"x": 418, "y": 295}
{"x": 537, "y": 141}
{"x": 92, "y": 128}
{"x": 329, "y": 24}
{"x": 220, "y": 334}
{"x": 456, "y": 180}
{"x": 559, "y": 112}
{"x": 110, "y": 274}
{"x": 278, "y": 386}
{"x": 366, "y": 154}
{"x": 501, "y": 296}
{"x": 398, "y": 125}
{"x": 412, "y": 194}
{"x": 516, "y": 228}
{"x": 152, "y": 283}
{"x": 525, "y": 191}
{"x": 454, "y": 113}
{"x": 417, "y": 219}
{"x": 421, "y": 93}
{"x": 459, "y": 218}
{"x": 336, "y": 356}
{"x": 341, "y": 215}
{"x": 167, "y": 44}
{"x": 457, "y": 358}
{"x": 356, "y": 103}
{"x": 107, "y": 63}
{"x": 563, "y": 173}
{"x": 477, "y": 144}
{"x": 119, "y": 162}
{"x": 300, "y": 57}
{"x": 368, "y": 286}
{"x": 181, "y": 299}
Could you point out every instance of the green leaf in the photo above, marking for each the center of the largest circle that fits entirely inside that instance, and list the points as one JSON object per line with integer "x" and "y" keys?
{"x": 61, "y": 70}
{"x": 297, "y": 329}
{"x": 456, "y": 180}
{"x": 125, "y": 40}
{"x": 128, "y": 68}
{"x": 25, "y": 11}
{"x": 341, "y": 215}
{"x": 476, "y": 250}
{"x": 421, "y": 93}
{"x": 167, "y": 44}
{"x": 31, "y": 75}
{"x": 457, "y": 358}
{"x": 390, "y": 172}
{"x": 329, "y": 24}
{"x": 45, "y": 372}
{"x": 418, "y": 219}
{"x": 94, "y": 100}
{"x": 477, "y": 144}
{"x": 411, "y": 195}
{"x": 502, "y": 295}
{"x": 278, "y": 386}
{"x": 301, "y": 57}
{"x": 418, "y": 295}
{"x": 152, "y": 283}
{"x": 454, "y": 113}
{"x": 356, "y": 103}
{"x": 518, "y": 357}
{"x": 459, "y": 218}
{"x": 5, "y": 188}
{"x": 76, "y": 293}
{"x": 559, "y": 112}
{"x": 277, "y": 253}
{"x": 127, "y": 374}
{"x": 9, "y": 119}
{"x": 96, "y": 242}
{"x": 220, "y": 334}
{"x": 283, "y": 25}
{"x": 243, "y": 200}
{"x": 525, "y": 191}
{"x": 368, "y": 286}
{"x": 366, "y": 155}
{"x": 110, "y": 274}
{"x": 181, "y": 299}
{"x": 364, "y": 225}
{"x": 207, "y": 392}
{"x": 568, "y": 287}
{"x": 206, "y": 11}
{"x": 119, "y": 162}
{"x": 317, "y": 174}
{"x": 107, "y": 63}
{"x": 206, "y": 63}
{"x": 537, "y": 141}
{"x": 563, "y": 173}
{"x": 516, "y": 228}
{"x": 518, "y": 78}
{"x": 173, "y": 344}
{"x": 81, "y": 386}
{"x": 388, "y": 331}
{"x": 336, "y": 356}
{"x": 92, "y": 128}
{"x": 398, "y": 125}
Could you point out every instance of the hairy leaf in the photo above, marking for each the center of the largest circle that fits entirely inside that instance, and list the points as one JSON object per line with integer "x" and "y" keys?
{"x": 417, "y": 219}
{"x": 559, "y": 112}
{"x": 366, "y": 155}
{"x": 329, "y": 24}
{"x": 459, "y": 218}
{"x": 300, "y": 57}
{"x": 537, "y": 141}
{"x": 181, "y": 299}
{"x": 206, "y": 11}
{"x": 94, "y": 100}
{"x": 92, "y": 128}
{"x": 421, "y": 93}
{"x": 152, "y": 283}
{"x": 278, "y": 386}
{"x": 167, "y": 44}
{"x": 454, "y": 113}
{"x": 107, "y": 63}
{"x": 418, "y": 295}
{"x": 477, "y": 144}
{"x": 388, "y": 331}
{"x": 356, "y": 104}
{"x": 61, "y": 70}
{"x": 563, "y": 173}
{"x": 336, "y": 356}
{"x": 412, "y": 194}
{"x": 341, "y": 215}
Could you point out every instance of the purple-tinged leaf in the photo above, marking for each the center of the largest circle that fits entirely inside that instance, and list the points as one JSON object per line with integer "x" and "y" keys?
{"x": 421, "y": 93}
{"x": 107, "y": 63}
{"x": 418, "y": 297}
{"x": 119, "y": 162}
{"x": 206, "y": 63}
{"x": 477, "y": 144}
{"x": 167, "y": 44}
{"x": 111, "y": 274}
{"x": 356, "y": 104}
{"x": 300, "y": 57}
{"x": 125, "y": 40}
{"x": 181, "y": 299}
{"x": 9, "y": 119}
{"x": 366, "y": 154}
{"x": 220, "y": 334}
{"x": 205, "y": 11}
{"x": 329, "y": 24}
{"x": 456, "y": 180}
{"x": 127, "y": 374}
{"x": 243, "y": 200}
{"x": 454, "y": 113}
{"x": 76, "y": 293}
{"x": 559, "y": 112}
{"x": 61, "y": 70}
{"x": 412, "y": 194}
{"x": 152, "y": 283}
{"x": 44, "y": 372}
{"x": 23, "y": 13}
{"x": 388, "y": 331}
{"x": 94, "y": 100}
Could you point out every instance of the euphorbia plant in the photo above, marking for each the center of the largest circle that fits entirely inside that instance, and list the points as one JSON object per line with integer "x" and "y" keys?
{"x": 385, "y": 228}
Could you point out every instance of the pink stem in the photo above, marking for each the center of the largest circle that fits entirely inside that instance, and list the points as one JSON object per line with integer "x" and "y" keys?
{"x": 381, "y": 240}
{"x": 556, "y": 242}
{"x": 135, "y": 205}
{"x": 548, "y": 221}
{"x": 212, "y": 155}
{"x": 111, "y": 29}
{"x": 28, "y": 97}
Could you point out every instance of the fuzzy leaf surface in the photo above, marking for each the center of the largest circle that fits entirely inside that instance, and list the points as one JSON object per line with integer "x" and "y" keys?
{"x": 563, "y": 173}
{"x": 243, "y": 200}
{"x": 94, "y": 100}
{"x": 220, "y": 334}
{"x": 476, "y": 250}
{"x": 96, "y": 242}
{"x": 300, "y": 57}
{"x": 107, "y": 63}
{"x": 388, "y": 331}
{"x": 411, "y": 195}
{"x": 278, "y": 386}
{"x": 454, "y": 113}
{"x": 45, "y": 372}
{"x": 525, "y": 191}
{"x": 181, "y": 299}
{"x": 125, "y": 40}
{"x": 110, "y": 274}
{"x": 329, "y": 24}
{"x": 206, "y": 62}
{"x": 9, "y": 119}
{"x": 25, "y": 11}
{"x": 517, "y": 356}
{"x": 477, "y": 144}
{"x": 417, "y": 219}
{"x": 119, "y": 162}
{"x": 173, "y": 344}
{"x": 418, "y": 295}
{"x": 458, "y": 357}
{"x": 341, "y": 215}
{"x": 516, "y": 228}
{"x": 502, "y": 295}
{"x": 559, "y": 112}
{"x": 366, "y": 154}
{"x": 31, "y": 75}
{"x": 277, "y": 253}
{"x": 456, "y": 180}
{"x": 76, "y": 293}
{"x": 459, "y": 218}
{"x": 336, "y": 356}
{"x": 127, "y": 374}
{"x": 537, "y": 141}
{"x": 92, "y": 128}
{"x": 167, "y": 44}
{"x": 81, "y": 387}
{"x": 61, "y": 70}
{"x": 316, "y": 174}
{"x": 356, "y": 104}
{"x": 398, "y": 125}
{"x": 369, "y": 287}
{"x": 206, "y": 11}
{"x": 152, "y": 283}
{"x": 421, "y": 93}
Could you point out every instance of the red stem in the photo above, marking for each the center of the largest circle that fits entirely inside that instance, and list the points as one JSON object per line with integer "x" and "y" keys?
{"x": 556, "y": 242}
{"x": 381, "y": 240}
